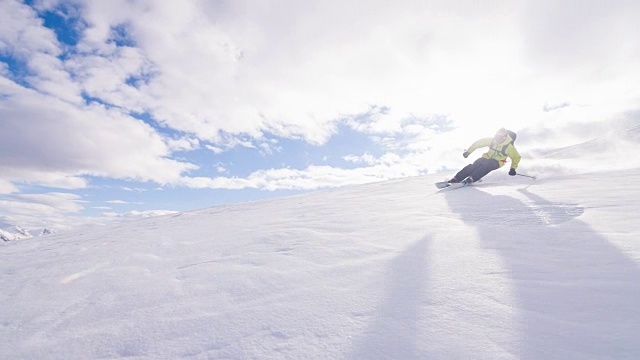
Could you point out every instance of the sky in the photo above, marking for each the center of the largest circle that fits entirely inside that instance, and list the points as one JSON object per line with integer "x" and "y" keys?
{"x": 507, "y": 269}
{"x": 126, "y": 109}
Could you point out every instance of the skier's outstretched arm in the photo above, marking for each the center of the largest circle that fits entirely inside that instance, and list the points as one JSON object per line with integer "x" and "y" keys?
{"x": 479, "y": 144}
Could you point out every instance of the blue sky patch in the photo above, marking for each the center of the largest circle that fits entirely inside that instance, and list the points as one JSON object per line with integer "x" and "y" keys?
{"x": 66, "y": 22}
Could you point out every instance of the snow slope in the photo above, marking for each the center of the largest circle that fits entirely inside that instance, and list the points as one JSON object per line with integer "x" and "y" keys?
{"x": 508, "y": 269}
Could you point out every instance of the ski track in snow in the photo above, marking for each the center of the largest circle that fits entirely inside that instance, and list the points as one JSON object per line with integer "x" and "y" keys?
{"x": 507, "y": 269}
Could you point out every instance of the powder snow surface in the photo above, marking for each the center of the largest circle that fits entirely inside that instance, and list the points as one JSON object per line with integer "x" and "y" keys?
{"x": 510, "y": 268}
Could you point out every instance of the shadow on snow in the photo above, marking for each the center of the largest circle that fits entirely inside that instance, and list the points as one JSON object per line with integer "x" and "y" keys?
{"x": 576, "y": 294}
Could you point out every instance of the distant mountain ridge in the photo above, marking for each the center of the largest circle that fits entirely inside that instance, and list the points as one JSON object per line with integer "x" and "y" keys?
{"x": 18, "y": 233}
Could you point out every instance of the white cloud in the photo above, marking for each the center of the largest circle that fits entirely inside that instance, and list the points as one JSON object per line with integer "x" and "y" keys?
{"x": 183, "y": 144}
{"x": 7, "y": 187}
{"x": 65, "y": 141}
{"x": 61, "y": 202}
{"x": 22, "y": 33}
{"x": 389, "y": 166}
{"x": 40, "y": 210}
{"x": 365, "y": 158}
{"x": 294, "y": 69}
{"x": 138, "y": 214}
{"x": 221, "y": 167}
{"x": 47, "y": 135}
{"x": 116, "y": 78}
{"x": 140, "y": 190}
{"x": 60, "y": 211}
{"x": 50, "y": 77}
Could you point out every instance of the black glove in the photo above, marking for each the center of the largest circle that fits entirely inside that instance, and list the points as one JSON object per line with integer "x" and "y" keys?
{"x": 465, "y": 154}
{"x": 512, "y": 172}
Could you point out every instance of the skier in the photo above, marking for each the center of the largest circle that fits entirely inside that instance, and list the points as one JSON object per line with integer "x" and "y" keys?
{"x": 500, "y": 147}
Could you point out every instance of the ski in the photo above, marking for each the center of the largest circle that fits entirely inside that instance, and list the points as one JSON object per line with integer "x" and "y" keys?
{"x": 444, "y": 184}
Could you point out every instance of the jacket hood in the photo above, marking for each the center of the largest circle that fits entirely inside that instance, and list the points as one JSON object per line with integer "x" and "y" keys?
{"x": 499, "y": 135}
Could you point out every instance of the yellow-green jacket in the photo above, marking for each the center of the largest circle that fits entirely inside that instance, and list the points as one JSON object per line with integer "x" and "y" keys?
{"x": 499, "y": 152}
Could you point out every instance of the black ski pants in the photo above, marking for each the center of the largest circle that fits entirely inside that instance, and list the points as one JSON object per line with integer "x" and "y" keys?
{"x": 478, "y": 169}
